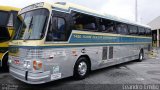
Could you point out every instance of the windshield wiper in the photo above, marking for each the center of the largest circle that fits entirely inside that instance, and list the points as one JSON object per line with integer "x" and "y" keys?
{"x": 29, "y": 29}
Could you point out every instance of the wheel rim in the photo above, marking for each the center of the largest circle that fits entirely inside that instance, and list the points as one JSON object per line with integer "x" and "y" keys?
{"x": 82, "y": 68}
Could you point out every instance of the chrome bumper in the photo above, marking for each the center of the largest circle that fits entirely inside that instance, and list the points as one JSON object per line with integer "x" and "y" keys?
{"x": 30, "y": 78}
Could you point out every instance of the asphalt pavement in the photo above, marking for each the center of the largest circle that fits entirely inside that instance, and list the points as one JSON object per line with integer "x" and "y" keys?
{"x": 132, "y": 75}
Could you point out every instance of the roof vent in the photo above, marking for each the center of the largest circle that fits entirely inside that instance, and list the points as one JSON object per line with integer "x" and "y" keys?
{"x": 61, "y": 3}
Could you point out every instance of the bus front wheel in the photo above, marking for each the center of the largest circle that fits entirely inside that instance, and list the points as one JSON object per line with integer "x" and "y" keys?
{"x": 81, "y": 69}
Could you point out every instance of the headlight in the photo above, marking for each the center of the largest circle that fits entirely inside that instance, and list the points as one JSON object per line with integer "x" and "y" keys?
{"x": 26, "y": 64}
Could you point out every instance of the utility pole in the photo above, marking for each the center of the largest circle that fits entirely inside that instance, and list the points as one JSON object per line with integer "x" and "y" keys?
{"x": 136, "y": 11}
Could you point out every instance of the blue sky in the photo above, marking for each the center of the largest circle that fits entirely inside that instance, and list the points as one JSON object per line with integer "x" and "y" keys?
{"x": 147, "y": 9}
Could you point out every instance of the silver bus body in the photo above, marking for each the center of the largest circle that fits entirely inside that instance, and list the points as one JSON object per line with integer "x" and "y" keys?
{"x": 57, "y": 59}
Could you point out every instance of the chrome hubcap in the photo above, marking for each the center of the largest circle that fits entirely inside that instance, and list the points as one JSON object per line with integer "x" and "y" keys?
{"x": 82, "y": 68}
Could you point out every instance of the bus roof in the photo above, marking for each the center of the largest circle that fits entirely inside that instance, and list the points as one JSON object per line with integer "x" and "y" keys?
{"x": 8, "y": 8}
{"x": 71, "y": 6}
{"x": 67, "y": 7}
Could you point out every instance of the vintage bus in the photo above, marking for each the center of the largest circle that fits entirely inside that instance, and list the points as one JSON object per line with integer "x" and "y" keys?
{"x": 7, "y": 17}
{"x": 62, "y": 39}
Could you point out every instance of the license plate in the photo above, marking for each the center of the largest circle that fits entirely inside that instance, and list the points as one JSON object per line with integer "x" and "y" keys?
{"x": 55, "y": 76}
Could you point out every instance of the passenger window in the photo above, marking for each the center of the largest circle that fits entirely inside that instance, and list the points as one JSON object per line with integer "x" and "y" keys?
{"x": 141, "y": 31}
{"x": 110, "y": 29}
{"x": 102, "y": 28}
{"x": 56, "y": 30}
{"x": 122, "y": 29}
{"x": 84, "y": 22}
{"x": 148, "y": 32}
{"x": 132, "y": 29}
{"x": 107, "y": 26}
{"x": 61, "y": 24}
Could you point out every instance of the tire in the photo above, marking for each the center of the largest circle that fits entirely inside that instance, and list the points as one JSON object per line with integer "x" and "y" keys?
{"x": 81, "y": 68}
{"x": 5, "y": 67}
{"x": 141, "y": 56}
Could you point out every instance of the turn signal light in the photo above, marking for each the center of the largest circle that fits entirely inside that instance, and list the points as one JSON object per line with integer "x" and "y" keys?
{"x": 37, "y": 65}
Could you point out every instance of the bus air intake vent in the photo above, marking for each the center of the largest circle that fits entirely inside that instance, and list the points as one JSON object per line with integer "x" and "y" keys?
{"x": 104, "y": 53}
{"x": 110, "y": 52}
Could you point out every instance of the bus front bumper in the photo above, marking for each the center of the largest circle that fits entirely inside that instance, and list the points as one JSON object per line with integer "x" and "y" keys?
{"x": 30, "y": 78}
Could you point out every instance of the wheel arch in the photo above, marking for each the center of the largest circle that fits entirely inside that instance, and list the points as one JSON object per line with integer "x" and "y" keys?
{"x": 3, "y": 58}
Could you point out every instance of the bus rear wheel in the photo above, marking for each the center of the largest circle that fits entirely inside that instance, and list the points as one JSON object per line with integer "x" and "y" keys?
{"x": 81, "y": 69}
{"x": 141, "y": 56}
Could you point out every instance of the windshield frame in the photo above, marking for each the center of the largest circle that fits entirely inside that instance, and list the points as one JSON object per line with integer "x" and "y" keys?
{"x": 45, "y": 27}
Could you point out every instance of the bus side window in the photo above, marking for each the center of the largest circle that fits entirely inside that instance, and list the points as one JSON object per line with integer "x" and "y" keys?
{"x": 84, "y": 22}
{"x": 141, "y": 31}
{"x": 148, "y": 32}
{"x": 56, "y": 31}
{"x": 132, "y": 29}
{"x": 122, "y": 28}
{"x": 106, "y": 26}
{"x": 110, "y": 29}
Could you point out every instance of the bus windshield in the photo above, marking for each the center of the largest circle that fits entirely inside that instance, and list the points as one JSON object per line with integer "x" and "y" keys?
{"x": 3, "y": 18}
{"x": 32, "y": 25}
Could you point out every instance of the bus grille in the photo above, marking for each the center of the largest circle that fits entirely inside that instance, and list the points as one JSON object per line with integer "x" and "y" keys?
{"x": 104, "y": 56}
